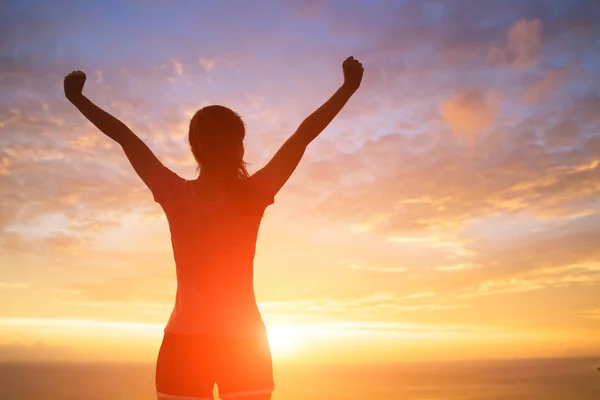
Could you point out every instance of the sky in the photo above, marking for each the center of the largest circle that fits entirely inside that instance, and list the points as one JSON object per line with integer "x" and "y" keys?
{"x": 450, "y": 211}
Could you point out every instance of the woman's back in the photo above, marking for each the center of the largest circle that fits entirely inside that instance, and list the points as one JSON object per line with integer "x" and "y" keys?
{"x": 214, "y": 243}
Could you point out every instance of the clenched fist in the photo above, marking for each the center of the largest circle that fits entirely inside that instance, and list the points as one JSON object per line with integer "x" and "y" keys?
{"x": 73, "y": 83}
{"x": 353, "y": 73}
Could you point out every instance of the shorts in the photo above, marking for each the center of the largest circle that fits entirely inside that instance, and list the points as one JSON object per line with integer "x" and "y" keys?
{"x": 188, "y": 366}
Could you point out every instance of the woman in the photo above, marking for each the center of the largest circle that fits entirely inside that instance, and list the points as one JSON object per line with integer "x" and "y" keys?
{"x": 215, "y": 333}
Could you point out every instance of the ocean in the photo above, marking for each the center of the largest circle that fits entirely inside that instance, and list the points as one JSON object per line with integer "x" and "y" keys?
{"x": 547, "y": 379}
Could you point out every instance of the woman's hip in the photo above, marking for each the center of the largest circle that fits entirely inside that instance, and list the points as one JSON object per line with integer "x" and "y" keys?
{"x": 190, "y": 364}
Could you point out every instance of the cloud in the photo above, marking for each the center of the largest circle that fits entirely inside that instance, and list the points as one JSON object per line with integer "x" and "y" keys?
{"x": 99, "y": 76}
{"x": 372, "y": 307}
{"x": 377, "y": 269}
{"x": 543, "y": 88}
{"x": 455, "y": 267}
{"x": 541, "y": 278}
{"x": 177, "y": 67}
{"x": 208, "y": 64}
{"x": 433, "y": 195}
{"x": 470, "y": 113}
{"x": 51, "y": 243}
{"x": 523, "y": 44}
{"x": 421, "y": 295}
{"x": 590, "y": 314}
{"x": 150, "y": 288}
{"x": 4, "y": 166}
{"x": 563, "y": 134}
{"x": 524, "y": 39}
{"x": 561, "y": 255}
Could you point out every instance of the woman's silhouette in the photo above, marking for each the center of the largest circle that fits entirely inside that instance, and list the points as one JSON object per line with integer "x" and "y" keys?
{"x": 215, "y": 333}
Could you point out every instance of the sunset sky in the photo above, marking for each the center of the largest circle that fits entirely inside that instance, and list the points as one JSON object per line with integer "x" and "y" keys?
{"x": 451, "y": 211}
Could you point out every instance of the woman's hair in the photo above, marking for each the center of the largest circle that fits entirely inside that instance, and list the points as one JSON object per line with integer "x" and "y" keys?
{"x": 216, "y": 138}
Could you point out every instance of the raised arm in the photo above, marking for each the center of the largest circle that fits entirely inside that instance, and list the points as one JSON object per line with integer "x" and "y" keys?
{"x": 140, "y": 156}
{"x": 278, "y": 170}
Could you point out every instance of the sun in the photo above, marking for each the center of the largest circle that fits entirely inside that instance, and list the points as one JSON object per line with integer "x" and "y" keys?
{"x": 283, "y": 339}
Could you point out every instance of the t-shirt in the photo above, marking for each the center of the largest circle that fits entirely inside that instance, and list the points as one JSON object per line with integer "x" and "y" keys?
{"x": 213, "y": 246}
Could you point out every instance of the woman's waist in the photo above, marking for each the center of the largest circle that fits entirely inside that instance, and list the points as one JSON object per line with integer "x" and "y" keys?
{"x": 214, "y": 253}
{"x": 211, "y": 287}
{"x": 221, "y": 300}
{"x": 224, "y": 271}
{"x": 220, "y": 320}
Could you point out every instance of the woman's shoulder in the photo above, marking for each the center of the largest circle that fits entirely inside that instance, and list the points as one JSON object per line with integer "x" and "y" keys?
{"x": 257, "y": 191}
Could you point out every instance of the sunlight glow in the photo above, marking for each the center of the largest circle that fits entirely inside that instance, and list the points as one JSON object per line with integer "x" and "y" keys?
{"x": 283, "y": 339}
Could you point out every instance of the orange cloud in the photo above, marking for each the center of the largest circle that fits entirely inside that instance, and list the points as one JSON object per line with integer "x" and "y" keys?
{"x": 470, "y": 113}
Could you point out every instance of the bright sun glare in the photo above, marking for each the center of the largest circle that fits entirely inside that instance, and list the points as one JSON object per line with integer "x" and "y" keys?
{"x": 282, "y": 339}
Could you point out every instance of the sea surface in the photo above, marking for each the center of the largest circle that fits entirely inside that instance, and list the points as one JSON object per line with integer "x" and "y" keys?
{"x": 555, "y": 379}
